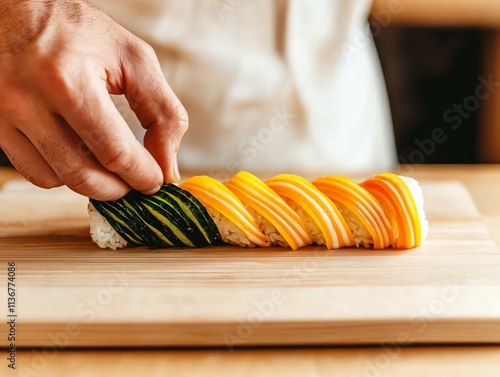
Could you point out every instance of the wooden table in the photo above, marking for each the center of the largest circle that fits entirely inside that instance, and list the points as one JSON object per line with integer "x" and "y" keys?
{"x": 483, "y": 182}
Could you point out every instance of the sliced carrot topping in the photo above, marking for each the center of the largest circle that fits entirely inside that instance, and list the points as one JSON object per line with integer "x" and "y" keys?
{"x": 362, "y": 204}
{"x": 213, "y": 193}
{"x": 318, "y": 206}
{"x": 260, "y": 197}
{"x": 388, "y": 208}
{"x": 393, "y": 189}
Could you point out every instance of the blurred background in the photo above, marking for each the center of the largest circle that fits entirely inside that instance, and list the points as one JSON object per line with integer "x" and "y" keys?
{"x": 427, "y": 71}
{"x": 435, "y": 58}
{"x": 441, "y": 62}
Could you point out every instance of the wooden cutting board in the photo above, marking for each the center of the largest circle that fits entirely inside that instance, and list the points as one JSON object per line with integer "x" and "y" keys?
{"x": 71, "y": 293}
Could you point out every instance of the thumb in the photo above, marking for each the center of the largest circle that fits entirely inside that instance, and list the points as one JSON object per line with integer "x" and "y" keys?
{"x": 163, "y": 139}
{"x": 155, "y": 104}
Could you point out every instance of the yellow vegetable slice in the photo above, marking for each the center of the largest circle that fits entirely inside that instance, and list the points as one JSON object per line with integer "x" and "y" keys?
{"x": 213, "y": 193}
{"x": 260, "y": 197}
{"x": 318, "y": 206}
{"x": 362, "y": 204}
{"x": 391, "y": 188}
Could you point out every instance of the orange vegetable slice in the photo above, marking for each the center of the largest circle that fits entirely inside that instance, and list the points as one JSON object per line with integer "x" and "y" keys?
{"x": 318, "y": 206}
{"x": 362, "y": 204}
{"x": 390, "y": 188}
{"x": 257, "y": 195}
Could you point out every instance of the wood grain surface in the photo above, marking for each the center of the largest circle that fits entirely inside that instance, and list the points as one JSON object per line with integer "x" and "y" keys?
{"x": 445, "y": 291}
{"x": 333, "y": 362}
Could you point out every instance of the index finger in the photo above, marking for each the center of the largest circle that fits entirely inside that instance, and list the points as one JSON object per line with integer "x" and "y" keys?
{"x": 90, "y": 112}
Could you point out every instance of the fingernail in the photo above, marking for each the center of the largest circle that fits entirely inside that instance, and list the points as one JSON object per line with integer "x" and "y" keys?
{"x": 152, "y": 191}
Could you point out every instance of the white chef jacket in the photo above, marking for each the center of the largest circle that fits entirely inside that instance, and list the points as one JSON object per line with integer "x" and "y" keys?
{"x": 281, "y": 85}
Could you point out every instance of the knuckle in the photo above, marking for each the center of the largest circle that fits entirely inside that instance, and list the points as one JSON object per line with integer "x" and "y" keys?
{"x": 81, "y": 182}
{"x": 86, "y": 182}
{"x": 140, "y": 51}
{"x": 180, "y": 116}
{"x": 55, "y": 73}
{"x": 116, "y": 158}
{"x": 148, "y": 51}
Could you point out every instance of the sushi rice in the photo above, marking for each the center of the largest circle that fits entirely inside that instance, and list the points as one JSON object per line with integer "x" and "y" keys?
{"x": 272, "y": 235}
{"x": 102, "y": 232}
{"x": 361, "y": 234}
{"x": 418, "y": 197}
{"x": 229, "y": 232}
{"x": 312, "y": 228}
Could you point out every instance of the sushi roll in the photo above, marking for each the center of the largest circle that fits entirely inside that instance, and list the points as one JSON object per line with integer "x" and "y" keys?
{"x": 287, "y": 210}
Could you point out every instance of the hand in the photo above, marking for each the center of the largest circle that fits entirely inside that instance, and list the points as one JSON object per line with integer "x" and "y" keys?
{"x": 59, "y": 59}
